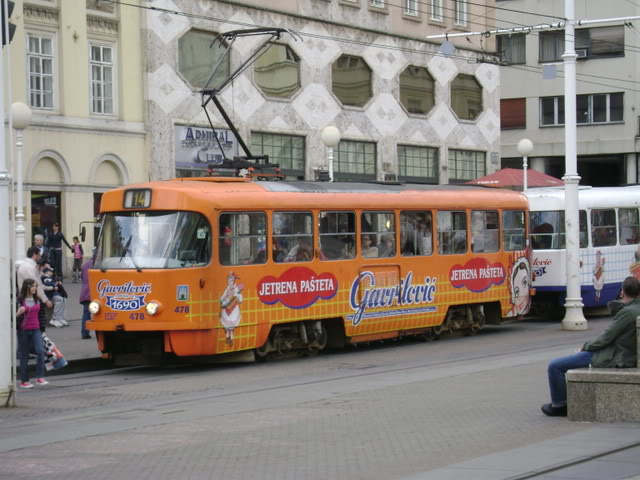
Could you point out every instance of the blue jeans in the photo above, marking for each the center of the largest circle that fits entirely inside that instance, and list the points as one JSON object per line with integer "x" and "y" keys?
{"x": 86, "y": 315}
{"x": 26, "y": 339}
{"x": 557, "y": 375}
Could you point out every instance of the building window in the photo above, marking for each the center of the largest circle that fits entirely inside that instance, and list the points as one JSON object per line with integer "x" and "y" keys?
{"x": 418, "y": 164}
{"x": 40, "y": 65}
{"x": 377, "y": 3}
{"x": 285, "y": 150}
{"x": 351, "y": 80}
{"x": 512, "y": 48}
{"x": 466, "y": 97}
{"x": 465, "y": 165}
{"x": 600, "y": 42}
{"x": 417, "y": 90}
{"x": 551, "y": 111}
{"x": 355, "y": 161}
{"x": 461, "y": 8}
{"x": 198, "y": 51}
{"x": 411, "y": 8}
{"x": 277, "y": 72}
{"x": 599, "y": 108}
{"x": 436, "y": 10}
{"x": 513, "y": 113}
{"x": 551, "y": 46}
{"x": 101, "y": 62}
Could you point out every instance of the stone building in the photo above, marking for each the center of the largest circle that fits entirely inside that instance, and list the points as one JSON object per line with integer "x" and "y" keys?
{"x": 78, "y": 65}
{"x": 404, "y": 110}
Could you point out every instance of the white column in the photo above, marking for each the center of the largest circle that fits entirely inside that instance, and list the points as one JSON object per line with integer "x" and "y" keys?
{"x": 7, "y": 333}
{"x": 574, "y": 318}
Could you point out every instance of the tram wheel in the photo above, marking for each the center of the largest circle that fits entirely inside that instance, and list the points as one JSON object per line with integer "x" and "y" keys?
{"x": 262, "y": 353}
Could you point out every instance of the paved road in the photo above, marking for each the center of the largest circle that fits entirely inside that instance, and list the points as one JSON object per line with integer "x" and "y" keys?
{"x": 455, "y": 408}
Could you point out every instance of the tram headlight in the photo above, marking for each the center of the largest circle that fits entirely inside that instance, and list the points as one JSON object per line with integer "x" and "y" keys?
{"x": 94, "y": 307}
{"x": 152, "y": 308}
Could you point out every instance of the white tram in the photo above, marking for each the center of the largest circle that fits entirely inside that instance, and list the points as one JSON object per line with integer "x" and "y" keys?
{"x": 609, "y": 243}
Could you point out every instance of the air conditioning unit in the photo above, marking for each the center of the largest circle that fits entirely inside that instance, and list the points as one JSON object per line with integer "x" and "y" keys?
{"x": 582, "y": 52}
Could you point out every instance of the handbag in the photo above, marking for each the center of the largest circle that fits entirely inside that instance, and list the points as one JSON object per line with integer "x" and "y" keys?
{"x": 53, "y": 358}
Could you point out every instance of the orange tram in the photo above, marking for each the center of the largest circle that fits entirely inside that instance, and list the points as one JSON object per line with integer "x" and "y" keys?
{"x": 212, "y": 265}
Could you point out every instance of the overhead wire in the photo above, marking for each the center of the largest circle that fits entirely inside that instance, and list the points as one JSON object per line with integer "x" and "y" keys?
{"x": 359, "y": 42}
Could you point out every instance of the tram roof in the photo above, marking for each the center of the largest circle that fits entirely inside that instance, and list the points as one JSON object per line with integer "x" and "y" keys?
{"x": 203, "y": 192}
{"x": 553, "y": 198}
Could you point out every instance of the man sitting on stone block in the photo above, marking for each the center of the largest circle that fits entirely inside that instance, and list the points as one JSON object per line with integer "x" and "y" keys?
{"x": 616, "y": 347}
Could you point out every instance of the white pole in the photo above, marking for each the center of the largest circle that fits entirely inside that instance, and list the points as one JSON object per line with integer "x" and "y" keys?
{"x": 7, "y": 383}
{"x": 574, "y": 318}
{"x": 525, "y": 166}
{"x": 20, "y": 245}
{"x": 330, "y": 161}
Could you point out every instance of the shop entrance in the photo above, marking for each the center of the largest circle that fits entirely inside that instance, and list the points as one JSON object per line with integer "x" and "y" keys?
{"x": 45, "y": 211}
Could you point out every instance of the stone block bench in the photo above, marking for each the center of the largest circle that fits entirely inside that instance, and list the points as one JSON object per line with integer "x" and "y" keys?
{"x": 606, "y": 395}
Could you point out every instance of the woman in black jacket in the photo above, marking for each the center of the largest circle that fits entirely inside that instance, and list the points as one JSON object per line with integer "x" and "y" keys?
{"x": 54, "y": 244}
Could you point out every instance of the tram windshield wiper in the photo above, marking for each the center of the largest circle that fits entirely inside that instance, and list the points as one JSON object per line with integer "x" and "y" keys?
{"x": 128, "y": 250}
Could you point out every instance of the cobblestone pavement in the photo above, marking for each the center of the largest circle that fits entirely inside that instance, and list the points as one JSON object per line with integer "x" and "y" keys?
{"x": 458, "y": 408}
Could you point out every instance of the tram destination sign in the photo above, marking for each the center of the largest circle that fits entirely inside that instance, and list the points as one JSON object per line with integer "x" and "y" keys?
{"x": 197, "y": 147}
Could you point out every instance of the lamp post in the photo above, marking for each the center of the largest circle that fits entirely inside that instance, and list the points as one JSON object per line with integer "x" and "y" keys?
{"x": 21, "y": 118}
{"x": 525, "y": 147}
{"x": 330, "y": 136}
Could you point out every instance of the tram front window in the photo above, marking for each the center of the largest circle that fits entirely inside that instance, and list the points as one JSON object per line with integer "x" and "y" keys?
{"x": 153, "y": 240}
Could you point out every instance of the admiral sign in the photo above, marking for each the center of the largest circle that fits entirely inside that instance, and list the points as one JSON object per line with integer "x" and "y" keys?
{"x": 197, "y": 147}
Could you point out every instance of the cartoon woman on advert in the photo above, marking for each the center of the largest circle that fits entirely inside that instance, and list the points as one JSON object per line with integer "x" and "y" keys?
{"x": 519, "y": 283}
{"x": 598, "y": 274}
{"x": 230, "y": 306}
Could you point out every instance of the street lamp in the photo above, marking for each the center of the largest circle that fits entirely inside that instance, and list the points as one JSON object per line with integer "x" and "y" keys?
{"x": 21, "y": 118}
{"x": 525, "y": 147}
{"x": 330, "y": 136}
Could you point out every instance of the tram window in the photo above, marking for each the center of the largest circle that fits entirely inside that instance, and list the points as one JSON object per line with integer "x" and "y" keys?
{"x": 603, "y": 227}
{"x": 547, "y": 228}
{"x": 452, "y": 232}
{"x": 292, "y": 237}
{"x": 416, "y": 237}
{"x": 513, "y": 231}
{"x": 485, "y": 231}
{"x": 377, "y": 229}
{"x": 629, "y": 226}
{"x": 337, "y": 235}
{"x": 154, "y": 240}
{"x": 242, "y": 238}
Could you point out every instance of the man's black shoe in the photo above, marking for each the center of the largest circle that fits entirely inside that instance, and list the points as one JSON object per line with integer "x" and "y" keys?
{"x": 552, "y": 411}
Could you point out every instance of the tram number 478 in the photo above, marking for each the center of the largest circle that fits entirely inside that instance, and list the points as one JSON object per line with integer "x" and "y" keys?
{"x": 136, "y": 316}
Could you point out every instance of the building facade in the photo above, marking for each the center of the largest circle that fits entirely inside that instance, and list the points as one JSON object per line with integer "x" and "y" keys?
{"x": 404, "y": 110}
{"x": 532, "y": 93}
{"x": 78, "y": 65}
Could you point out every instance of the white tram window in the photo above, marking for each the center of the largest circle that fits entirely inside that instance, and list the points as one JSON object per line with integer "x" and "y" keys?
{"x": 513, "y": 230}
{"x": 416, "y": 235}
{"x": 377, "y": 228}
{"x": 603, "y": 227}
{"x": 629, "y": 226}
{"x": 242, "y": 238}
{"x": 452, "y": 232}
{"x": 292, "y": 237}
{"x": 337, "y": 235}
{"x": 547, "y": 230}
{"x": 485, "y": 231}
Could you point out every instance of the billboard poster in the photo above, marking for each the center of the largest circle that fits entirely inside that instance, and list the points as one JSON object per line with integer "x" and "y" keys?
{"x": 196, "y": 147}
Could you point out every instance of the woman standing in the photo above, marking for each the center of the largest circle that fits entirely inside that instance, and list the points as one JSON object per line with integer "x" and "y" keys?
{"x": 54, "y": 243}
{"x": 30, "y": 321}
